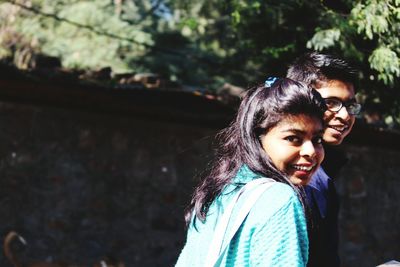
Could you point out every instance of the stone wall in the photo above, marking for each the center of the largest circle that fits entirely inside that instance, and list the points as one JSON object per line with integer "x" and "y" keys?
{"x": 81, "y": 186}
{"x": 369, "y": 187}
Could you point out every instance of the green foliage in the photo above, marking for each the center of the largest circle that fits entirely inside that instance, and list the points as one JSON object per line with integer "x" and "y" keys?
{"x": 386, "y": 62}
{"x": 209, "y": 42}
{"x": 380, "y": 21}
{"x": 63, "y": 36}
{"x": 240, "y": 6}
{"x": 324, "y": 39}
{"x": 371, "y": 18}
{"x": 79, "y": 53}
{"x": 376, "y": 21}
{"x": 369, "y": 34}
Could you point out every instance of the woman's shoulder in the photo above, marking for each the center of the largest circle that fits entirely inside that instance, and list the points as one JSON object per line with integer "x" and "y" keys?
{"x": 279, "y": 192}
{"x": 278, "y": 198}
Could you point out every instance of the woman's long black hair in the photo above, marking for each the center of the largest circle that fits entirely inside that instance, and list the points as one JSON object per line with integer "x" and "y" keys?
{"x": 261, "y": 109}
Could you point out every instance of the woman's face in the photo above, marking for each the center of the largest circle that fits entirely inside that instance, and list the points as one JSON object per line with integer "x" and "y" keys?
{"x": 294, "y": 146}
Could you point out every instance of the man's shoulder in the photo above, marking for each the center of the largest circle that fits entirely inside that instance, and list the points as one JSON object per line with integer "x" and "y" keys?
{"x": 320, "y": 180}
{"x": 335, "y": 159}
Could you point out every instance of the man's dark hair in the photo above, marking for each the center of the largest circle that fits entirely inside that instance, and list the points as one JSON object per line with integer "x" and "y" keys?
{"x": 313, "y": 68}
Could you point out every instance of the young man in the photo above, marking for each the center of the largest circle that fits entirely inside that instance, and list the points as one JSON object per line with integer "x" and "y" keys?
{"x": 334, "y": 79}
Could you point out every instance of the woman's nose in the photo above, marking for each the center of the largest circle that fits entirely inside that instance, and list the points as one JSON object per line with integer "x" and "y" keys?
{"x": 308, "y": 149}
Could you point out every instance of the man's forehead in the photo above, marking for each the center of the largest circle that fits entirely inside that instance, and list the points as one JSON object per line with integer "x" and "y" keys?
{"x": 336, "y": 88}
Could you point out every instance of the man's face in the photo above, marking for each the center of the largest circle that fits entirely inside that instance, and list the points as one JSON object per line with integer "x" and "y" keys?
{"x": 340, "y": 123}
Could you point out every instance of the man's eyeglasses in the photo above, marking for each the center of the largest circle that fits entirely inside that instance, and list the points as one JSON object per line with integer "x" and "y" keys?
{"x": 335, "y": 105}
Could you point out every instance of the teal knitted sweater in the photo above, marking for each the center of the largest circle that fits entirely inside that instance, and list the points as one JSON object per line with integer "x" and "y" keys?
{"x": 273, "y": 234}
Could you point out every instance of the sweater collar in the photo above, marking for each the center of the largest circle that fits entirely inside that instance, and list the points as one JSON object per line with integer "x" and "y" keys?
{"x": 245, "y": 175}
{"x": 242, "y": 177}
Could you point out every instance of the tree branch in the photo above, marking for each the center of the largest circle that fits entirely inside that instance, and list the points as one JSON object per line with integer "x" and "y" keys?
{"x": 111, "y": 35}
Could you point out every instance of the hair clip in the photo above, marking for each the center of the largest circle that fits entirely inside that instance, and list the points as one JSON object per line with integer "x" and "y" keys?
{"x": 270, "y": 81}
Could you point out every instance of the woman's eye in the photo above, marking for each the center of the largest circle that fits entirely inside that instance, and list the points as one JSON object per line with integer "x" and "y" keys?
{"x": 293, "y": 139}
{"x": 318, "y": 140}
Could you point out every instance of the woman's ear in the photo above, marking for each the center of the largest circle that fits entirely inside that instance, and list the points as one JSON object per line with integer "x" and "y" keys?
{"x": 259, "y": 132}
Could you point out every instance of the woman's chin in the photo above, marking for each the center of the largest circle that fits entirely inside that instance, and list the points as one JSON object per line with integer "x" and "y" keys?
{"x": 300, "y": 180}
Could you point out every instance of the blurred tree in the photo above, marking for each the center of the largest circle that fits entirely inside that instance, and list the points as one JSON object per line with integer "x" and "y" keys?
{"x": 209, "y": 42}
{"x": 84, "y": 34}
{"x": 247, "y": 39}
{"x": 256, "y": 38}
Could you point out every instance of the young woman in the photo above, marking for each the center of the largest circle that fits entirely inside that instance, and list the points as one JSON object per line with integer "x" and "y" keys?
{"x": 277, "y": 134}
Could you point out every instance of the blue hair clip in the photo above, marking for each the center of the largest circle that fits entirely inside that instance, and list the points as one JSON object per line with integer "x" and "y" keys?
{"x": 270, "y": 81}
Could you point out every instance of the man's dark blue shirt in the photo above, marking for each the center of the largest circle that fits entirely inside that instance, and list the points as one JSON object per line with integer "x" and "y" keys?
{"x": 323, "y": 229}
{"x": 323, "y": 201}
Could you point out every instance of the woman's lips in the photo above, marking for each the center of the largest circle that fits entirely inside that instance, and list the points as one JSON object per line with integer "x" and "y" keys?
{"x": 303, "y": 171}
